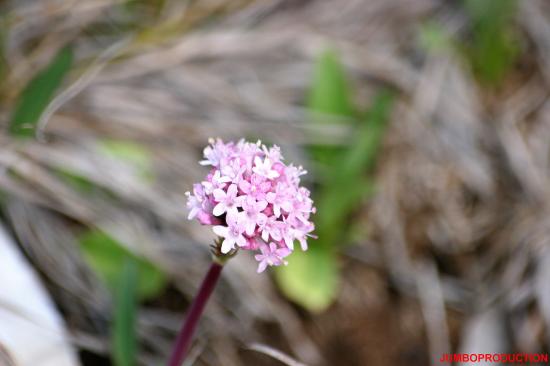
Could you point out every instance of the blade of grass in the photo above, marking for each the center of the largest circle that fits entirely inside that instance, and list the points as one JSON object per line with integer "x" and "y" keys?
{"x": 38, "y": 93}
{"x": 124, "y": 336}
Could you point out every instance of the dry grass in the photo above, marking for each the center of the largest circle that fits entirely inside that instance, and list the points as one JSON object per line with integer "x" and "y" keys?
{"x": 459, "y": 226}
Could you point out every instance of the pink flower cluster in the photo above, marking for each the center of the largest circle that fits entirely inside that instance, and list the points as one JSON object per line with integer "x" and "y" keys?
{"x": 253, "y": 200}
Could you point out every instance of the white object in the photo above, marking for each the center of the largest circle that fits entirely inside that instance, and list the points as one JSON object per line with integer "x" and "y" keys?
{"x": 31, "y": 331}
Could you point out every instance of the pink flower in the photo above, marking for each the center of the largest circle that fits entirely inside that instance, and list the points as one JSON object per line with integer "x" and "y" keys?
{"x": 280, "y": 198}
{"x": 302, "y": 206}
{"x": 298, "y": 232}
{"x": 215, "y": 154}
{"x": 271, "y": 256}
{"x": 256, "y": 186}
{"x": 274, "y": 153}
{"x": 195, "y": 201}
{"x": 232, "y": 234}
{"x": 251, "y": 198}
{"x": 303, "y": 232}
{"x": 252, "y": 214}
{"x": 272, "y": 228}
{"x": 227, "y": 201}
{"x": 233, "y": 171}
{"x": 264, "y": 168}
{"x": 215, "y": 181}
{"x": 293, "y": 174}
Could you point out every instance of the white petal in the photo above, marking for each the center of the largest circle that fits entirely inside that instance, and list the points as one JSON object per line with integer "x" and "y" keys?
{"x": 233, "y": 215}
{"x": 303, "y": 243}
{"x": 276, "y": 235}
{"x": 232, "y": 190}
{"x": 220, "y": 230}
{"x": 270, "y": 197}
{"x": 227, "y": 245}
{"x": 219, "y": 209}
{"x": 257, "y": 161}
{"x": 261, "y": 219}
{"x": 272, "y": 174}
{"x": 289, "y": 243}
{"x": 250, "y": 226}
{"x": 262, "y": 266}
{"x": 238, "y": 201}
{"x": 219, "y": 194}
{"x": 261, "y": 205}
{"x": 241, "y": 241}
{"x": 193, "y": 213}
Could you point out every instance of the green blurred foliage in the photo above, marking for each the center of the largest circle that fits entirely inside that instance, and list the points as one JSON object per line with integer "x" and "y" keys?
{"x": 124, "y": 346}
{"x": 130, "y": 279}
{"x": 493, "y": 43}
{"x": 433, "y": 37}
{"x": 311, "y": 278}
{"x": 38, "y": 93}
{"x": 77, "y": 181}
{"x": 330, "y": 97}
{"x": 347, "y": 185}
{"x": 131, "y": 153}
{"x": 330, "y": 91}
{"x": 494, "y": 46}
{"x": 107, "y": 256}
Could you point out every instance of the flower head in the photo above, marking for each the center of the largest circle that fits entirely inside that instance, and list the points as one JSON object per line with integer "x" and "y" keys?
{"x": 253, "y": 201}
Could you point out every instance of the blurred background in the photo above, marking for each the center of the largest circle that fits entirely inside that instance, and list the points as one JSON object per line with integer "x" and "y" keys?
{"x": 425, "y": 128}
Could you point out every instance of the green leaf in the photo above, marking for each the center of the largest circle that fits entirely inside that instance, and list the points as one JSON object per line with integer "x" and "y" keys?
{"x": 106, "y": 256}
{"x": 362, "y": 154}
{"x": 342, "y": 194}
{"x": 494, "y": 46}
{"x": 123, "y": 332}
{"x": 329, "y": 95}
{"x": 310, "y": 279}
{"x": 330, "y": 91}
{"x": 38, "y": 93}
{"x": 334, "y": 209}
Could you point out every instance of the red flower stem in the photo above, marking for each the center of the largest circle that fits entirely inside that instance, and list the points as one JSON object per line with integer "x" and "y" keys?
{"x": 183, "y": 342}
